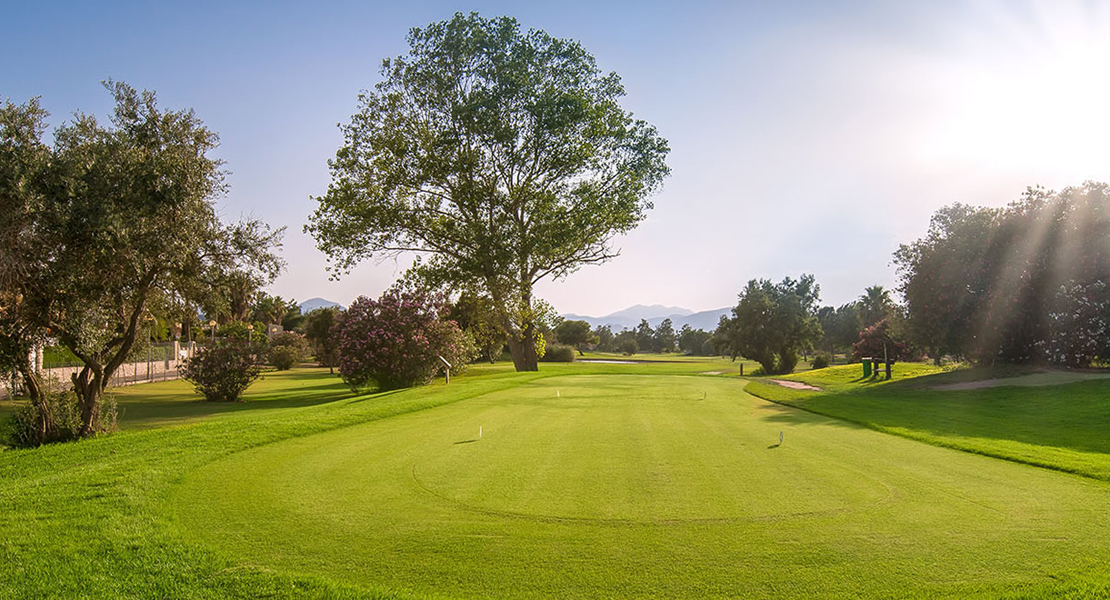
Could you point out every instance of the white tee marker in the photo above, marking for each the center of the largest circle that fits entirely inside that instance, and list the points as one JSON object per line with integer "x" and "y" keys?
{"x": 479, "y": 432}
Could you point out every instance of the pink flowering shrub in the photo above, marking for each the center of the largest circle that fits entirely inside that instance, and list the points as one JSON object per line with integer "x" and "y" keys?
{"x": 396, "y": 340}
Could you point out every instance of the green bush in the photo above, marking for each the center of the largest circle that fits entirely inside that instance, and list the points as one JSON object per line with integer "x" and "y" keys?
{"x": 57, "y": 419}
{"x": 821, "y": 361}
{"x": 222, "y": 371}
{"x": 287, "y": 349}
{"x": 284, "y": 357}
{"x": 558, "y": 353}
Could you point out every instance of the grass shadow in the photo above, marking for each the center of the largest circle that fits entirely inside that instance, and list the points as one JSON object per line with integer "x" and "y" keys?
{"x": 1045, "y": 426}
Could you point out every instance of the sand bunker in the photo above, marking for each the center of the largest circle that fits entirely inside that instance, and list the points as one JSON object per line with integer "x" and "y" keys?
{"x": 795, "y": 385}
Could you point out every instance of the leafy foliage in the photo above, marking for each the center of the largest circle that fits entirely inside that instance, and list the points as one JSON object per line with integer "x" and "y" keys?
{"x": 881, "y": 341}
{"x": 398, "y": 339}
{"x": 114, "y": 221}
{"x": 223, "y": 370}
{"x": 874, "y": 305}
{"x": 773, "y": 323}
{"x": 840, "y": 326}
{"x": 576, "y": 334}
{"x": 56, "y": 417}
{"x": 605, "y": 338}
{"x": 986, "y": 283}
{"x": 503, "y": 156}
{"x": 558, "y": 353}
{"x": 1079, "y": 324}
{"x": 319, "y": 324}
{"x": 696, "y": 342}
{"x": 287, "y": 349}
{"x": 664, "y": 337}
{"x": 477, "y": 317}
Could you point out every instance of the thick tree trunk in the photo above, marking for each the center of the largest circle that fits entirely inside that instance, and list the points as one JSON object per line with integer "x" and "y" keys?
{"x": 523, "y": 349}
{"x": 89, "y": 386}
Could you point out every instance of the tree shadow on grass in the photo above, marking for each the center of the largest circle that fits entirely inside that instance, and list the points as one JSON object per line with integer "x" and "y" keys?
{"x": 1073, "y": 416}
{"x": 176, "y": 402}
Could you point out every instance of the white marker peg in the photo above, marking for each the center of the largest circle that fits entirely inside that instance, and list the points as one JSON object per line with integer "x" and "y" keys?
{"x": 557, "y": 394}
{"x": 479, "y": 432}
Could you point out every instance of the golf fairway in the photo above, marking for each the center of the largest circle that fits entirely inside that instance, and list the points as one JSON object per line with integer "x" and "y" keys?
{"x": 643, "y": 485}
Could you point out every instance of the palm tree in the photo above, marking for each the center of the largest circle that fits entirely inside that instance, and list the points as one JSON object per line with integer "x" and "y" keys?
{"x": 875, "y": 305}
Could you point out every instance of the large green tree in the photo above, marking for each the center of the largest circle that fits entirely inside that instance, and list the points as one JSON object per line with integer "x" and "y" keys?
{"x": 121, "y": 218}
{"x": 773, "y": 322}
{"x": 502, "y": 156}
{"x": 993, "y": 284}
{"x": 575, "y": 333}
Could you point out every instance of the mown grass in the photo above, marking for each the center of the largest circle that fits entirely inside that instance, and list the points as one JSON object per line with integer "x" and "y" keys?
{"x": 645, "y": 485}
{"x": 590, "y": 480}
{"x": 1060, "y": 427}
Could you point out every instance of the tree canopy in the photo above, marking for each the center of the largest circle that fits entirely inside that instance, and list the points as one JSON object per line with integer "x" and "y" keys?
{"x": 1013, "y": 284}
{"x": 773, "y": 322}
{"x": 501, "y": 156}
{"x": 112, "y": 221}
{"x": 575, "y": 333}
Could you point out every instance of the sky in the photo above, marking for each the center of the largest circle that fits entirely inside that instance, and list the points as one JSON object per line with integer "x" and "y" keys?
{"x": 806, "y": 137}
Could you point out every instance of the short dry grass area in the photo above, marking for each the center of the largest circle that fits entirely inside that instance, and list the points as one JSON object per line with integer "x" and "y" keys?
{"x": 588, "y": 480}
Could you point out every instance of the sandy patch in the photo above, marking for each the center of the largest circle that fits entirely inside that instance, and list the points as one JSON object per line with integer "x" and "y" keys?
{"x": 1030, "y": 380}
{"x": 795, "y": 385}
{"x": 713, "y": 373}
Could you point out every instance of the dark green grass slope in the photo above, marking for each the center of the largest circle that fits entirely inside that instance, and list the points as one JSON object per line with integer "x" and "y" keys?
{"x": 1064, "y": 427}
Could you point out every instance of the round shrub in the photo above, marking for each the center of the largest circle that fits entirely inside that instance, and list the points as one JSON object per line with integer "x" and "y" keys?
{"x": 821, "y": 361}
{"x": 222, "y": 371}
{"x": 287, "y": 349}
{"x": 558, "y": 353}
{"x": 396, "y": 340}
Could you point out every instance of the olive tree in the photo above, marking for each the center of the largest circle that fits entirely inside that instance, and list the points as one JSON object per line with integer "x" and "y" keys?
{"x": 502, "y": 157}
{"x": 121, "y": 217}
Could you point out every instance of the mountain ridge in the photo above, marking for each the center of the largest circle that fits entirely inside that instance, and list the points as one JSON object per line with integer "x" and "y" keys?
{"x": 629, "y": 318}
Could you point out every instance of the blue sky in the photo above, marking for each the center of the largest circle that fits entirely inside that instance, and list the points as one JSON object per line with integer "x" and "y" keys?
{"x": 806, "y": 136}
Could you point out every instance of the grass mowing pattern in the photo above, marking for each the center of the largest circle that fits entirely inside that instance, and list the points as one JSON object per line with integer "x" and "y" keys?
{"x": 1062, "y": 427}
{"x": 88, "y": 519}
{"x": 634, "y": 485}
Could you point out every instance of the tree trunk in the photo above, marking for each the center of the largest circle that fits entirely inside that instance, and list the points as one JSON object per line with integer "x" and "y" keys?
{"x": 89, "y": 386}
{"x": 524, "y": 350}
{"x": 32, "y": 384}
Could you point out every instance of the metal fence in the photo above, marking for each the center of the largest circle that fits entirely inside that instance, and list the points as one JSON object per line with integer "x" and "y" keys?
{"x": 157, "y": 362}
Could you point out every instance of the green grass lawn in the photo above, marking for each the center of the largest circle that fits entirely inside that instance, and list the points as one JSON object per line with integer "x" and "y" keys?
{"x": 1056, "y": 426}
{"x": 589, "y": 480}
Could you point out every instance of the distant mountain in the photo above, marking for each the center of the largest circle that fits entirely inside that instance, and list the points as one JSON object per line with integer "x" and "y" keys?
{"x": 640, "y": 311}
{"x": 630, "y": 317}
{"x": 311, "y": 305}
